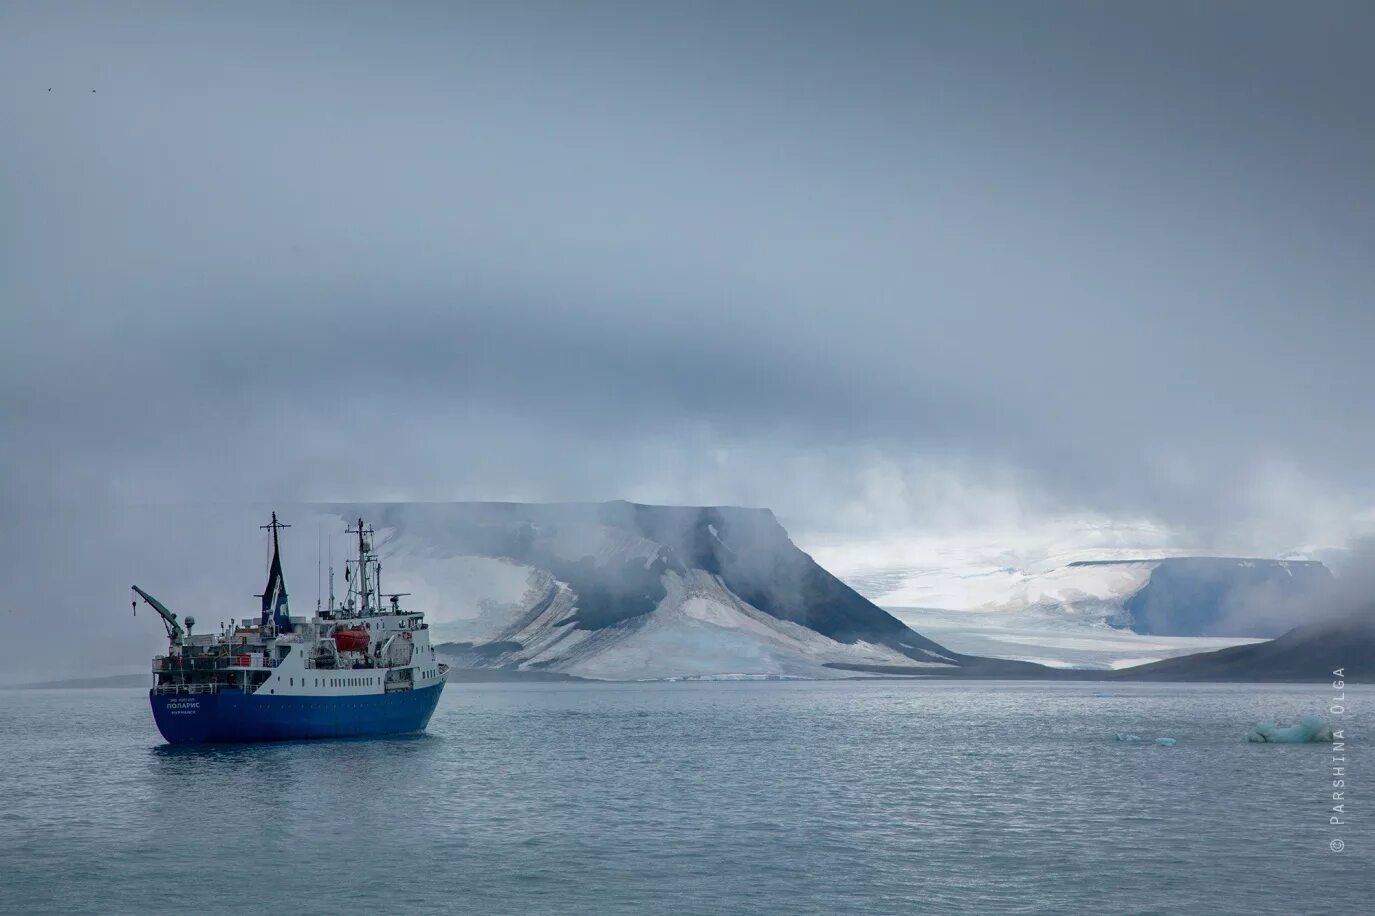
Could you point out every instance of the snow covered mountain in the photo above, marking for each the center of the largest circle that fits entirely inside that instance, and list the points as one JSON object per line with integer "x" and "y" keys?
{"x": 625, "y": 591}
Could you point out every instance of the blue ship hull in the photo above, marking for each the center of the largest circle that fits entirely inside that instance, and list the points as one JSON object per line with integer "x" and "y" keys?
{"x": 231, "y": 716}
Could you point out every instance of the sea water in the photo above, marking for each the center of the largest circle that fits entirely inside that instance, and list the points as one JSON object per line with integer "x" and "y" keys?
{"x": 780, "y": 798}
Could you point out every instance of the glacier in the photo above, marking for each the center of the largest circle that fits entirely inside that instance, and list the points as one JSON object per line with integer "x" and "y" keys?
{"x": 1109, "y": 607}
{"x": 1048, "y": 637}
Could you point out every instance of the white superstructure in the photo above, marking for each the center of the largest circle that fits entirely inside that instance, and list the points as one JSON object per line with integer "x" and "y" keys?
{"x": 358, "y": 647}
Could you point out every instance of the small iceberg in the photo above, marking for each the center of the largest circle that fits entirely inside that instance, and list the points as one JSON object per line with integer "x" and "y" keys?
{"x": 1166, "y": 742}
{"x": 1309, "y": 728}
{"x": 1125, "y": 737}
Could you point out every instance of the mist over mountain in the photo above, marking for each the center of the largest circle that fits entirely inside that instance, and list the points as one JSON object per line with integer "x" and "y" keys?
{"x": 601, "y": 590}
{"x": 1219, "y": 596}
{"x": 620, "y": 590}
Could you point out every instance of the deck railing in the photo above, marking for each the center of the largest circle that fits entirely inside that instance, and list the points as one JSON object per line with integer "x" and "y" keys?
{"x": 166, "y": 689}
{"x": 165, "y": 664}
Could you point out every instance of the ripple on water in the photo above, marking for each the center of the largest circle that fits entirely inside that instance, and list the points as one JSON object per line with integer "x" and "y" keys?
{"x": 787, "y": 798}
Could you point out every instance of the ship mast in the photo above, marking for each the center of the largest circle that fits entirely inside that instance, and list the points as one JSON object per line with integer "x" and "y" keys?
{"x": 275, "y": 526}
{"x": 274, "y": 566}
{"x": 330, "y": 542}
{"x": 365, "y": 558}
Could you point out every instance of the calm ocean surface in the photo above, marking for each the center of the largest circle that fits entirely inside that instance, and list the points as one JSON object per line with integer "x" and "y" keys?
{"x": 780, "y": 798}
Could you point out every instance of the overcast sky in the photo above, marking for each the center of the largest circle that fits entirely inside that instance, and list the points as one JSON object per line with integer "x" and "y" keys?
{"x": 885, "y": 268}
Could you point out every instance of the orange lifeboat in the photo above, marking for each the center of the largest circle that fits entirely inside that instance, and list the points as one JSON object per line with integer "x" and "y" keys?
{"x": 353, "y": 639}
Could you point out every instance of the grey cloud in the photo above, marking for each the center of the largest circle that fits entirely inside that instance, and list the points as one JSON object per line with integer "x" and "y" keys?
{"x": 1109, "y": 258}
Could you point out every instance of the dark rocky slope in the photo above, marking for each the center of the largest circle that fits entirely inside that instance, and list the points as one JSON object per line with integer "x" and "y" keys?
{"x": 1305, "y": 654}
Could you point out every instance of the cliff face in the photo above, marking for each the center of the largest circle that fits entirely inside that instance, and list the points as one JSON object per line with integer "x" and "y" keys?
{"x": 620, "y": 590}
{"x": 1218, "y": 596}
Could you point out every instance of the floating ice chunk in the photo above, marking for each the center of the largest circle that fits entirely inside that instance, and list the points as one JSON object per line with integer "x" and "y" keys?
{"x": 1121, "y": 736}
{"x": 1309, "y": 728}
{"x": 1165, "y": 742}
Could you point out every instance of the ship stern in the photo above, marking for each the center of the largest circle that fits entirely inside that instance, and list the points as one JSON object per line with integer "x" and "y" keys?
{"x": 186, "y": 718}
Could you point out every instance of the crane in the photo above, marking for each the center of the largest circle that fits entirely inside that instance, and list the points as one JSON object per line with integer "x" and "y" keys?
{"x": 169, "y": 620}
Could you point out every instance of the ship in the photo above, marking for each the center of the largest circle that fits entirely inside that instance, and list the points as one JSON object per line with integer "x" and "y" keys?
{"x": 360, "y": 667}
